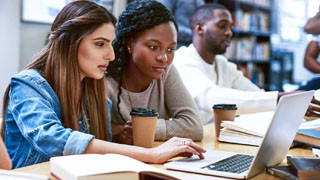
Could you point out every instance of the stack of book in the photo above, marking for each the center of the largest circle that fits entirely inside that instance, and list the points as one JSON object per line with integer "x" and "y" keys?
{"x": 250, "y": 129}
{"x": 298, "y": 168}
{"x": 246, "y": 129}
{"x": 309, "y": 136}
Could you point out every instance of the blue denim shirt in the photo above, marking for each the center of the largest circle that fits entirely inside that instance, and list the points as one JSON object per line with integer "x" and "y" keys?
{"x": 34, "y": 131}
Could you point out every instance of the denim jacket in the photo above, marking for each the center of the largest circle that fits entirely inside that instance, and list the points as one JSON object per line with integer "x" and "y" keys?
{"x": 34, "y": 131}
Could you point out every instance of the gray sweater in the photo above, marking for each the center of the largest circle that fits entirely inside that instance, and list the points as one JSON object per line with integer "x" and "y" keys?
{"x": 178, "y": 114}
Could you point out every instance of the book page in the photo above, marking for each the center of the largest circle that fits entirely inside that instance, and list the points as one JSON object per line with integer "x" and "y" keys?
{"x": 310, "y": 124}
{"x": 258, "y": 123}
{"x": 14, "y": 175}
{"x": 317, "y": 94}
{"x": 228, "y": 135}
{"x": 93, "y": 164}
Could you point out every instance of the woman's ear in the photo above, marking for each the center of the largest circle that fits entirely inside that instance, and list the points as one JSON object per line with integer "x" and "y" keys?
{"x": 129, "y": 46}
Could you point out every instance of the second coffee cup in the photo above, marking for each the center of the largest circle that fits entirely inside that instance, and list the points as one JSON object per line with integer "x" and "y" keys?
{"x": 143, "y": 126}
{"x": 223, "y": 112}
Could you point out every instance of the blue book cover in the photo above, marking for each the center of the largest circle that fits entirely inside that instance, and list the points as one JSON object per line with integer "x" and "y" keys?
{"x": 310, "y": 132}
{"x": 309, "y": 136}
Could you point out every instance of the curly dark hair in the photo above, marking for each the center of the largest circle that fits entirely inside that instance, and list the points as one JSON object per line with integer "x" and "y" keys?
{"x": 137, "y": 17}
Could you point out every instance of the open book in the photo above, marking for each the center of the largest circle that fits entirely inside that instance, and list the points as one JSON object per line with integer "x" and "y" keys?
{"x": 14, "y": 175}
{"x": 250, "y": 129}
{"x": 108, "y": 166}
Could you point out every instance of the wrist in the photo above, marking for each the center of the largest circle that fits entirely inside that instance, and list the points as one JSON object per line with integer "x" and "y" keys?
{"x": 150, "y": 155}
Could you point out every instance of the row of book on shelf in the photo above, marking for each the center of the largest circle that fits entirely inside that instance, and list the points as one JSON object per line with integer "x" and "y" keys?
{"x": 254, "y": 73}
{"x": 246, "y": 48}
{"x": 259, "y": 2}
{"x": 251, "y": 21}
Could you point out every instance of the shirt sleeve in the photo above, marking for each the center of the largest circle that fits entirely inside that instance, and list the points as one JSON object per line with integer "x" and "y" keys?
{"x": 185, "y": 120}
{"x": 36, "y": 117}
{"x": 206, "y": 93}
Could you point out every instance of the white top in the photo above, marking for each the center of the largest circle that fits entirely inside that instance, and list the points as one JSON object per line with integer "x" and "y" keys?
{"x": 218, "y": 83}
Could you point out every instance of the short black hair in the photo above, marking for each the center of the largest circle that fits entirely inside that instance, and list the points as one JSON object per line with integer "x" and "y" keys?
{"x": 204, "y": 13}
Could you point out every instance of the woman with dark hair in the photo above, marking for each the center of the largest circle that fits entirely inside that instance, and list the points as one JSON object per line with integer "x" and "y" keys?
{"x": 57, "y": 105}
{"x": 142, "y": 75}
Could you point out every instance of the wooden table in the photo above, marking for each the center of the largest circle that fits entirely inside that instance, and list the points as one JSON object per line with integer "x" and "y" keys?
{"x": 209, "y": 142}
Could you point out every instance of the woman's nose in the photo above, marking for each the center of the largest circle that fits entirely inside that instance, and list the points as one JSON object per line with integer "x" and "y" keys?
{"x": 162, "y": 57}
{"x": 110, "y": 54}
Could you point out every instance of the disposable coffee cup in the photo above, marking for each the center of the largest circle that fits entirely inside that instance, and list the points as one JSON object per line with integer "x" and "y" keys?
{"x": 223, "y": 112}
{"x": 143, "y": 126}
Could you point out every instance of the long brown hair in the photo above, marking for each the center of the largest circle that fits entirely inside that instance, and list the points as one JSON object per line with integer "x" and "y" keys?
{"x": 58, "y": 63}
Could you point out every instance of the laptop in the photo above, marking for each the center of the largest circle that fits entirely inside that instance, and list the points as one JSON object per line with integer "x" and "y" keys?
{"x": 272, "y": 150}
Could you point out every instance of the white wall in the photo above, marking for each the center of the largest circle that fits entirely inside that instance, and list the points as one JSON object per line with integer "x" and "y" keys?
{"x": 33, "y": 36}
{"x": 32, "y": 39}
{"x": 118, "y": 7}
{"x": 9, "y": 42}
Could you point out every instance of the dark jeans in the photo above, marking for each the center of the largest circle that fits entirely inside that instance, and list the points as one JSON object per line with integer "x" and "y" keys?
{"x": 313, "y": 84}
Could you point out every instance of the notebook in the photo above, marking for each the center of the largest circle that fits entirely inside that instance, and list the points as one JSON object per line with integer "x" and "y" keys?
{"x": 272, "y": 150}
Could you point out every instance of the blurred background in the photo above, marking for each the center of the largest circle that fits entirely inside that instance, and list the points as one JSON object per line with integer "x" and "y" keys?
{"x": 268, "y": 44}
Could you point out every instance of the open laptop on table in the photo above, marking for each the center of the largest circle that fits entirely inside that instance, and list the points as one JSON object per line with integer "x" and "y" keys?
{"x": 273, "y": 148}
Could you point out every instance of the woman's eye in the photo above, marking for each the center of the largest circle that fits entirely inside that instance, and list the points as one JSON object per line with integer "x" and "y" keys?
{"x": 171, "y": 49}
{"x": 100, "y": 44}
{"x": 153, "y": 47}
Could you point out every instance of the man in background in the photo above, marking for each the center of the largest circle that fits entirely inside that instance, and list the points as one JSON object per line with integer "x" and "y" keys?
{"x": 209, "y": 77}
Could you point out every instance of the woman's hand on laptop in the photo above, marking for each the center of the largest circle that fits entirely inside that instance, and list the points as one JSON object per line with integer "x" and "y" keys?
{"x": 175, "y": 147}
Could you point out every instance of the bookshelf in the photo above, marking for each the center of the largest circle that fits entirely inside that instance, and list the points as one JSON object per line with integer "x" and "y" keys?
{"x": 281, "y": 69}
{"x": 251, "y": 43}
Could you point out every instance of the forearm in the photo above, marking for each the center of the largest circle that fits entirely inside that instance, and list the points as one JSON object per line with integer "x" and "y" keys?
{"x": 184, "y": 127}
{"x": 4, "y": 157}
{"x": 246, "y": 101}
{"x": 103, "y": 147}
{"x": 311, "y": 56}
{"x": 313, "y": 66}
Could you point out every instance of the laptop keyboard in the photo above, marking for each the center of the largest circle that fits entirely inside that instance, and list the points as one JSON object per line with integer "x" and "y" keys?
{"x": 235, "y": 164}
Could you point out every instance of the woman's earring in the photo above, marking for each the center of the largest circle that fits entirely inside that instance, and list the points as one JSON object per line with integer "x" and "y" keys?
{"x": 129, "y": 50}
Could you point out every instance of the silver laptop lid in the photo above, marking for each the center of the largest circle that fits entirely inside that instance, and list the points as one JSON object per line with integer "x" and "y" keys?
{"x": 280, "y": 133}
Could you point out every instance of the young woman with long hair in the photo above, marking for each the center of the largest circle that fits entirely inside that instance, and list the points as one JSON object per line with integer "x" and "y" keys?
{"x": 58, "y": 106}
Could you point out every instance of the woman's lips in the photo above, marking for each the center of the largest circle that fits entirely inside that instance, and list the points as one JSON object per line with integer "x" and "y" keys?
{"x": 103, "y": 67}
{"x": 160, "y": 69}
